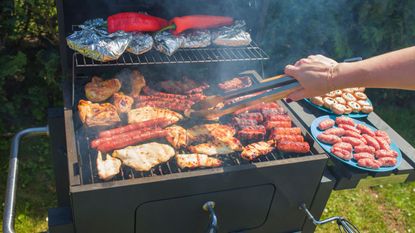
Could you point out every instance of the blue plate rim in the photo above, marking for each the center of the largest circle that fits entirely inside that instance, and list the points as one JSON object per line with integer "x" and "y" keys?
{"x": 352, "y": 115}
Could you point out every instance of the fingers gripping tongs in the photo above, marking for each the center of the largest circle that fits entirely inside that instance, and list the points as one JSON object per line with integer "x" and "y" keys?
{"x": 268, "y": 90}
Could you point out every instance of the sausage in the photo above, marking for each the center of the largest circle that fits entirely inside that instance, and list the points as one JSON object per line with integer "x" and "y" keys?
{"x": 96, "y": 142}
{"x": 164, "y": 104}
{"x": 363, "y": 155}
{"x": 122, "y": 142}
{"x": 334, "y": 131}
{"x": 352, "y": 140}
{"x": 148, "y": 91}
{"x": 277, "y": 124}
{"x": 371, "y": 141}
{"x": 387, "y": 161}
{"x": 349, "y": 127}
{"x": 341, "y": 153}
{"x": 365, "y": 130}
{"x": 381, "y": 133}
{"x": 384, "y": 145}
{"x": 243, "y": 123}
{"x": 345, "y": 120}
{"x": 353, "y": 134}
{"x": 295, "y": 147}
{"x": 251, "y": 116}
{"x": 279, "y": 117}
{"x": 272, "y": 111}
{"x": 286, "y": 131}
{"x": 385, "y": 153}
{"x": 292, "y": 138}
{"x": 143, "y": 98}
{"x": 328, "y": 138}
{"x": 364, "y": 148}
{"x": 326, "y": 124}
{"x": 369, "y": 163}
{"x": 344, "y": 145}
{"x": 257, "y": 107}
{"x": 159, "y": 122}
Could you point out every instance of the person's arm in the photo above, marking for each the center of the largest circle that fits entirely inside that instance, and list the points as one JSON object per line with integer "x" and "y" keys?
{"x": 319, "y": 75}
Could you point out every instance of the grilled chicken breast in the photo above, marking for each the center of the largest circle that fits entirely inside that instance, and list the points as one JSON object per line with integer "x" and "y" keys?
{"x": 197, "y": 160}
{"x": 176, "y": 136}
{"x": 122, "y": 102}
{"x": 144, "y": 157}
{"x": 107, "y": 168}
{"x": 137, "y": 82}
{"x": 205, "y": 132}
{"x": 99, "y": 90}
{"x": 216, "y": 147}
{"x": 255, "y": 150}
{"x": 93, "y": 114}
{"x": 149, "y": 113}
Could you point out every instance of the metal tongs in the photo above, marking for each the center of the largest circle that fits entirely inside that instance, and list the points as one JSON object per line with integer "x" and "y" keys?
{"x": 274, "y": 88}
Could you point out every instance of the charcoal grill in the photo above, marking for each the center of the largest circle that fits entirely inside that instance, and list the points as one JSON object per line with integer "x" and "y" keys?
{"x": 269, "y": 194}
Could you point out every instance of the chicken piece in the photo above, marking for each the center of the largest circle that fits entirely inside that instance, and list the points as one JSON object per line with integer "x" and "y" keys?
{"x": 196, "y": 160}
{"x": 177, "y": 136}
{"x": 213, "y": 148}
{"x": 99, "y": 90}
{"x": 123, "y": 102}
{"x": 107, "y": 168}
{"x": 92, "y": 114}
{"x": 148, "y": 113}
{"x": 137, "y": 82}
{"x": 144, "y": 157}
{"x": 255, "y": 150}
{"x": 205, "y": 132}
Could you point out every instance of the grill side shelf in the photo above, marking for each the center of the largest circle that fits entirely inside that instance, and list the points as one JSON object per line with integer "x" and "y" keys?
{"x": 347, "y": 177}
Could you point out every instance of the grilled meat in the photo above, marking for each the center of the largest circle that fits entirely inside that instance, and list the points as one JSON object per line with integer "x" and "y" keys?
{"x": 252, "y": 133}
{"x": 164, "y": 104}
{"x": 92, "y": 114}
{"x": 257, "y": 108}
{"x": 241, "y": 123}
{"x": 99, "y": 90}
{"x": 205, "y": 132}
{"x": 235, "y": 83}
{"x": 144, "y": 98}
{"x": 107, "y": 168}
{"x": 277, "y": 124}
{"x": 215, "y": 147}
{"x": 268, "y": 112}
{"x": 153, "y": 123}
{"x": 293, "y": 138}
{"x": 287, "y": 131}
{"x": 278, "y": 117}
{"x": 294, "y": 147}
{"x": 255, "y": 150}
{"x": 137, "y": 82}
{"x": 177, "y": 136}
{"x": 148, "y": 113}
{"x": 257, "y": 116}
{"x": 184, "y": 86}
{"x": 240, "y": 98}
{"x": 144, "y": 157}
{"x": 122, "y": 102}
{"x": 196, "y": 160}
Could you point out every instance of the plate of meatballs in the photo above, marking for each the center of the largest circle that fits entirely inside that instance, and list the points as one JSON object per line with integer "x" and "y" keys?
{"x": 356, "y": 143}
{"x": 352, "y": 102}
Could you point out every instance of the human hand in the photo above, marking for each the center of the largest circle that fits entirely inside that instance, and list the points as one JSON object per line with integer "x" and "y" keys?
{"x": 315, "y": 74}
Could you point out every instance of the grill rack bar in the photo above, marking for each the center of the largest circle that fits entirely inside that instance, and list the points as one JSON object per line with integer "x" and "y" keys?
{"x": 251, "y": 52}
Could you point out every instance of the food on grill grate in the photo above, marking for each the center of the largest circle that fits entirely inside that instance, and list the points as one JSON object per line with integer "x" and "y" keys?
{"x": 140, "y": 43}
{"x": 363, "y": 155}
{"x": 134, "y": 22}
{"x": 137, "y": 82}
{"x": 233, "y": 35}
{"x": 349, "y": 127}
{"x": 387, "y": 161}
{"x": 107, "y": 168}
{"x": 326, "y": 124}
{"x": 196, "y": 39}
{"x": 369, "y": 163}
{"x": 252, "y": 133}
{"x": 251, "y": 116}
{"x": 267, "y": 112}
{"x": 196, "y": 161}
{"x": 153, "y": 123}
{"x": 217, "y": 147}
{"x": 235, "y": 83}
{"x": 184, "y": 86}
{"x": 364, "y": 148}
{"x": 371, "y": 141}
{"x": 183, "y": 23}
{"x": 167, "y": 43}
{"x": 92, "y": 114}
{"x": 240, "y": 98}
{"x": 193, "y": 97}
{"x": 176, "y": 106}
{"x": 255, "y": 150}
{"x": 99, "y": 90}
{"x": 294, "y": 147}
{"x": 344, "y": 120}
{"x": 293, "y": 138}
{"x": 148, "y": 113}
{"x": 277, "y": 124}
{"x": 278, "y": 117}
{"x": 287, "y": 131}
{"x": 335, "y": 131}
{"x": 148, "y": 98}
{"x": 205, "y": 132}
{"x": 328, "y": 138}
{"x": 243, "y": 123}
{"x": 385, "y": 153}
{"x": 258, "y": 108}
{"x": 122, "y": 102}
{"x": 130, "y": 138}
{"x": 144, "y": 157}
{"x": 177, "y": 136}
{"x": 383, "y": 134}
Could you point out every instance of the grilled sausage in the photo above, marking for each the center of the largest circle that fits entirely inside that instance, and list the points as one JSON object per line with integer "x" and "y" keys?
{"x": 384, "y": 145}
{"x": 326, "y": 124}
{"x": 371, "y": 141}
{"x": 159, "y": 122}
{"x": 344, "y": 120}
{"x": 328, "y": 138}
{"x": 143, "y": 98}
{"x": 243, "y": 123}
{"x": 252, "y": 133}
{"x": 349, "y": 127}
{"x": 335, "y": 131}
{"x": 257, "y": 107}
{"x": 286, "y": 131}
{"x": 266, "y": 112}
{"x": 341, "y": 153}
{"x": 292, "y": 138}
{"x": 352, "y": 140}
{"x": 381, "y": 133}
{"x": 385, "y": 153}
{"x": 365, "y": 130}
{"x": 387, "y": 161}
{"x": 277, "y": 124}
{"x": 164, "y": 104}
{"x": 279, "y": 117}
{"x": 363, "y": 155}
{"x": 294, "y": 147}
{"x": 364, "y": 148}
{"x": 369, "y": 163}
{"x": 257, "y": 116}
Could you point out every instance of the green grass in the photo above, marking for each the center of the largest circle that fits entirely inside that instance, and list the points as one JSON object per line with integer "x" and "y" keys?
{"x": 390, "y": 208}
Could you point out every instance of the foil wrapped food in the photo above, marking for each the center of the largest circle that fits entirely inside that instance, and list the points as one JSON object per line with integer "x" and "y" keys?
{"x": 140, "y": 43}
{"x": 196, "y": 39}
{"x": 93, "y": 41}
{"x": 233, "y": 35}
{"x": 167, "y": 43}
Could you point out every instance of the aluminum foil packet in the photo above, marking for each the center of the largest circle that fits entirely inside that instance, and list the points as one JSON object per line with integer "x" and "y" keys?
{"x": 140, "y": 43}
{"x": 196, "y": 39}
{"x": 233, "y": 35}
{"x": 93, "y": 41}
{"x": 167, "y": 43}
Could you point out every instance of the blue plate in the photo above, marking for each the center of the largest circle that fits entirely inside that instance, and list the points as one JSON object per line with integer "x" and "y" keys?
{"x": 352, "y": 115}
{"x": 315, "y": 131}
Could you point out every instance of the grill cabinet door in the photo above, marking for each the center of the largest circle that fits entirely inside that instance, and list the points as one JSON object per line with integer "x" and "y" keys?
{"x": 236, "y": 209}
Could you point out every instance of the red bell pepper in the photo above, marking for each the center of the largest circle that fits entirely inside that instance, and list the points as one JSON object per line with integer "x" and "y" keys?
{"x": 135, "y": 22}
{"x": 181, "y": 24}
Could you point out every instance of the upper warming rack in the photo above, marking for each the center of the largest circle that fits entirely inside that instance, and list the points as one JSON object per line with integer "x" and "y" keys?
{"x": 196, "y": 55}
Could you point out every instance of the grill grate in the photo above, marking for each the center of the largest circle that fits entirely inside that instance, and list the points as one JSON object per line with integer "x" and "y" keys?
{"x": 198, "y": 55}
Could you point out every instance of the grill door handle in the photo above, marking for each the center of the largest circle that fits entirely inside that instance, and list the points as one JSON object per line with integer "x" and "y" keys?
{"x": 213, "y": 225}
